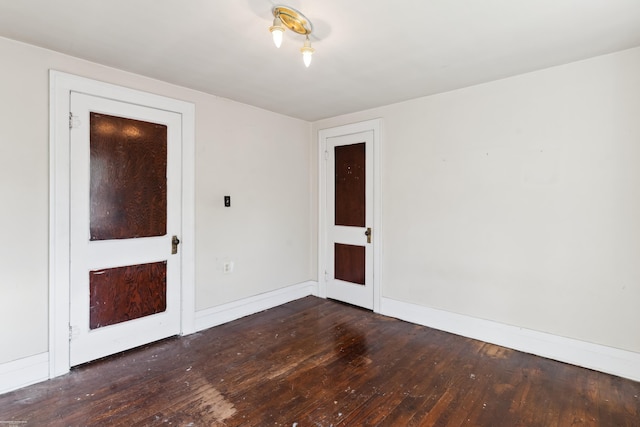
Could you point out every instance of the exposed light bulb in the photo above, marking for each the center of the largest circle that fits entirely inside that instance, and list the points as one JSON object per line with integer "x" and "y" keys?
{"x": 277, "y": 32}
{"x": 306, "y": 57}
{"x": 307, "y": 51}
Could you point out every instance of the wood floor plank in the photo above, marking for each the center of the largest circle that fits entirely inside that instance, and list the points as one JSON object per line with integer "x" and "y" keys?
{"x": 320, "y": 363}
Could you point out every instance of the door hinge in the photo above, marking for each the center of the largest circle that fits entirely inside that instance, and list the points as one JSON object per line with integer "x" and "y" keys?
{"x": 73, "y": 333}
{"x": 74, "y": 121}
{"x": 326, "y": 276}
{"x": 326, "y": 155}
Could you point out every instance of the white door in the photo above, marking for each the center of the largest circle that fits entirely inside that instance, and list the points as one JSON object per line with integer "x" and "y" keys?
{"x": 349, "y": 216}
{"x": 125, "y": 198}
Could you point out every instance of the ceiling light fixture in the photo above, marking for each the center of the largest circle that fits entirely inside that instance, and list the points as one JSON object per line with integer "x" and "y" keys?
{"x": 285, "y": 16}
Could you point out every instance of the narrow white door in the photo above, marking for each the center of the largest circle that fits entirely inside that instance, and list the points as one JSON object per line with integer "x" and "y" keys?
{"x": 349, "y": 256}
{"x": 125, "y": 198}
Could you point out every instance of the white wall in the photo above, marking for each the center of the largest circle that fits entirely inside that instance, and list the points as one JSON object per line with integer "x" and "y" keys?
{"x": 260, "y": 158}
{"x": 518, "y": 201}
{"x": 262, "y": 161}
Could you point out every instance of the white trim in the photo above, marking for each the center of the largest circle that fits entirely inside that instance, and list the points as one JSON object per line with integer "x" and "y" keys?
{"x": 592, "y": 356}
{"x": 23, "y": 372}
{"x": 187, "y": 243}
{"x": 235, "y": 310}
{"x": 374, "y": 125}
{"x": 61, "y": 85}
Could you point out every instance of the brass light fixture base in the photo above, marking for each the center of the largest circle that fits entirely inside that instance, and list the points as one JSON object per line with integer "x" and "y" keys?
{"x": 293, "y": 19}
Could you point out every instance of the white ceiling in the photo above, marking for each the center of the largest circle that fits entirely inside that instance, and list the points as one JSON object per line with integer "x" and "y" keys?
{"x": 368, "y": 52}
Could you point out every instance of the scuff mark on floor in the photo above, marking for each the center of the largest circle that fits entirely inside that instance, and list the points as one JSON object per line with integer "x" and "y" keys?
{"x": 213, "y": 403}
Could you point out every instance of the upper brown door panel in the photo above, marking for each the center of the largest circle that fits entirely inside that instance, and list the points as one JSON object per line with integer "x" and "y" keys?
{"x": 128, "y": 188}
{"x": 350, "y": 186}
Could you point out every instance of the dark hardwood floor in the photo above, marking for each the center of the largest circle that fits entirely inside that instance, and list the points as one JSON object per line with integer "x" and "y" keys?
{"x": 320, "y": 363}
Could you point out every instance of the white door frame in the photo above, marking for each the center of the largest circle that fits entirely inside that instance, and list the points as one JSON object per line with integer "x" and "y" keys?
{"x": 60, "y": 87}
{"x": 374, "y": 125}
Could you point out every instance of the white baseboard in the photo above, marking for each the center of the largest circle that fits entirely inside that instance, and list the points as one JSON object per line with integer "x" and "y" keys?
{"x": 593, "y": 356}
{"x": 33, "y": 369}
{"x": 234, "y": 310}
{"x": 23, "y": 372}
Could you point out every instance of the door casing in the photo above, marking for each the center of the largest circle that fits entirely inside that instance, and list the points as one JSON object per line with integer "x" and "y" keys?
{"x": 375, "y": 126}
{"x": 60, "y": 87}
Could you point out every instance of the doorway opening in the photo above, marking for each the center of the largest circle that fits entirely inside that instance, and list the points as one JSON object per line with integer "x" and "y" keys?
{"x": 62, "y": 88}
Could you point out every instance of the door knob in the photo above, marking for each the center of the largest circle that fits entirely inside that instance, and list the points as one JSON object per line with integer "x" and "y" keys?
{"x": 368, "y": 234}
{"x": 174, "y": 244}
